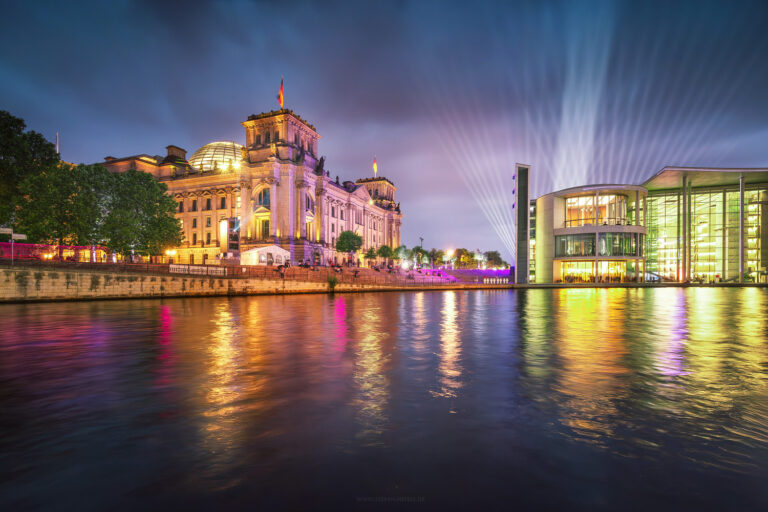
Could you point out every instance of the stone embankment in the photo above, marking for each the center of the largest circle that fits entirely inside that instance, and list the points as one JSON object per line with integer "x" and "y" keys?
{"x": 41, "y": 284}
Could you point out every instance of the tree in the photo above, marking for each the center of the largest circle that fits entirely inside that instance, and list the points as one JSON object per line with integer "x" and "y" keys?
{"x": 46, "y": 205}
{"x": 370, "y": 254}
{"x": 468, "y": 260}
{"x": 349, "y": 241}
{"x": 22, "y": 154}
{"x": 386, "y": 252}
{"x": 403, "y": 253}
{"x": 461, "y": 256}
{"x": 494, "y": 259}
{"x": 420, "y": 255}
{"x": 436, "y": 255}
{"x": 141, "y": 217}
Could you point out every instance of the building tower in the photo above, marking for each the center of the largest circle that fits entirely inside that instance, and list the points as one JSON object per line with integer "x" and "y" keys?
{"x": 522, "y": 198}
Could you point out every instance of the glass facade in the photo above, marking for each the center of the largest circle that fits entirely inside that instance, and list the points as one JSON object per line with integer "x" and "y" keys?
{"x": 608, "y": 210}
{"x": 575, "y": 245}
{"x": 532, "y": 242}
{"x": 714, "y": 234}
{"x": 620, "y": 244}
{"x": 221, "y": 156}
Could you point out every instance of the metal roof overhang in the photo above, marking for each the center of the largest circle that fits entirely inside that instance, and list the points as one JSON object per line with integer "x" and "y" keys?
{"x": 672, "y": 177}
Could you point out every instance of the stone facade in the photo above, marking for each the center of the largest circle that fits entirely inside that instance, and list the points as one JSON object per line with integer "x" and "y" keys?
{"x": 273, "y": 190}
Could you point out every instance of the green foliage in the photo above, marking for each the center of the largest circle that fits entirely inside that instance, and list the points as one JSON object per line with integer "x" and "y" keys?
{"x": 65, "y": 204}
{"x": 494, "y": 259}
{"x": 88, "y": 205}
{"x": 370, "y": 254}
{"x": 403, "y": 253}
{"x": 22, "y": 154}
{"x": 47, "y": 211}
{"x": 332, "y": 282}
{"x": 420, "y": 255}
{"x": 460, "y": 255}
{"x": 141, "y": 217}
{"x": 386, "y": 252}
{"x": 436, "y": 256}
{"x": 349, "y": 241}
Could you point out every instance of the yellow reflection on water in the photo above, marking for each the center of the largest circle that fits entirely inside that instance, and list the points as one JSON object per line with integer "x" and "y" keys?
{"x": 223, "y": 429}
{"x": 370, "y": 376}
{"x": 590, "y": 324}
{"x": 449, "y": 369}
{"x": 420, "y": 323}
{"x": 535, "y": 318}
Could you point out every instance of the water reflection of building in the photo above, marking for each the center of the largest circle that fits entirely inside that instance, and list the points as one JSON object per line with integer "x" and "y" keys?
{"x": 450, "y": 348}
{"x": 370, "y": 377}
{"x": 273, "y": 190}
{"x": 681, "y": 224}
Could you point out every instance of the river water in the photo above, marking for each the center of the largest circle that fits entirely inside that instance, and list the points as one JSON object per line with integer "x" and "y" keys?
{"x": 576, "y": 398}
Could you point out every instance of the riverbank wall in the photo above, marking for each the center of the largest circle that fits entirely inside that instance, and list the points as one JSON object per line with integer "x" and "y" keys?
{"x": 42, "y": 285}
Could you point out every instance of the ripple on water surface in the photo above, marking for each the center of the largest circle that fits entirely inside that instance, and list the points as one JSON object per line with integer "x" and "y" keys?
{"x": 577, "y": 397}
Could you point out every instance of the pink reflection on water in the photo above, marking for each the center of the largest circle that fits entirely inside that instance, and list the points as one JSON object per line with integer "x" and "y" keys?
{"x": 165, "y": 357}
{"x": 340, "y": 319}
{"x": 672, "y": 359}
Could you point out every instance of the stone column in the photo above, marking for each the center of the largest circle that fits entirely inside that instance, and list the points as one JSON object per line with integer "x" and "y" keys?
{"x": 273, "y": 209}
{"x": 320, "y": 216}
{"x": 302, "y": 217}
{"x": 245, "y": 213}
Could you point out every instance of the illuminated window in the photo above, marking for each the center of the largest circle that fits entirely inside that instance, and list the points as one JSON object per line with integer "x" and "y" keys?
{"x": 262, "y": 199}
{"x": 264, "y": 228}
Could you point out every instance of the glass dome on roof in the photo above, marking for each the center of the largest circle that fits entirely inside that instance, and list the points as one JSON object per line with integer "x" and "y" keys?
{"x": 217, "y": 155}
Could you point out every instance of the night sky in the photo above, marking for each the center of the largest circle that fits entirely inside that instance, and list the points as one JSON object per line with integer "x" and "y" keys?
{"x": 447, "y": 95}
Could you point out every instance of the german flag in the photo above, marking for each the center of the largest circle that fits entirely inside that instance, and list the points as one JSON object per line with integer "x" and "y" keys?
{"x": 375, "y": 166}
{"x": 280, "y": 96}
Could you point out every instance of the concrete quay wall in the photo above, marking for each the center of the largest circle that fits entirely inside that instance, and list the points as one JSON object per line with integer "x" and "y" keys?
{"x": 31, "y": 285}
{"x": 38, "y": 285}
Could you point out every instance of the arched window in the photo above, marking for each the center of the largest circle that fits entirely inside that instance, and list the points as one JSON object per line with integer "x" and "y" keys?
{"x": 262, "y": 199}
{"x": 309, "y": 203}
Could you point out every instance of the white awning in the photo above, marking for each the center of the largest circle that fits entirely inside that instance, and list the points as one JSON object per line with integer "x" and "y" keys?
{"x": 268, "y": 255}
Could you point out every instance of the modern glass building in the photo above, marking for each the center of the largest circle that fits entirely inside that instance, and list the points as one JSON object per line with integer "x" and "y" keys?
{"x": 708, "y": 224}
{"x": 683, "y": 224}
{"x": 591, "y": 234}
